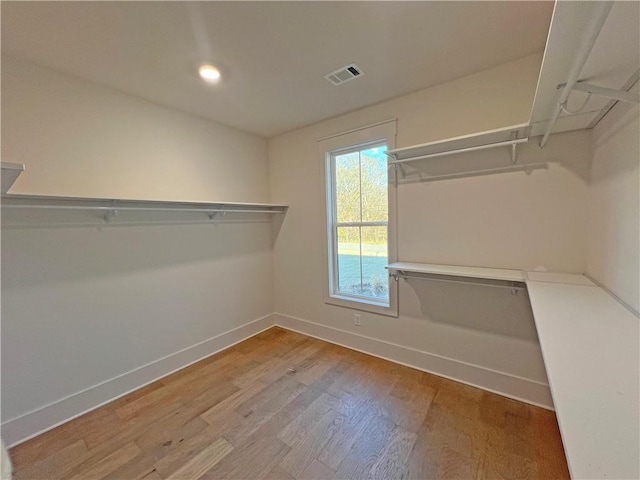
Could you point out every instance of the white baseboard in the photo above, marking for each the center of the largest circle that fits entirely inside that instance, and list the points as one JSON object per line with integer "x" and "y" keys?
{"x": 36, "y": 422}
{"x": 518, "y": 388}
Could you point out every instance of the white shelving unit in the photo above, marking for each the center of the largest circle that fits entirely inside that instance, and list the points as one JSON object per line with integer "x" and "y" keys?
{"x": 590, "y": 347}
{"x": 503, "y": 137}
{"x": 458, "y": 271}
{"x": 36, "y": 210}
{"x": 591, "y": 48}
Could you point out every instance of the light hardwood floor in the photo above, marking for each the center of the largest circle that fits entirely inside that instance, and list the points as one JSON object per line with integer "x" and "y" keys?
{"x": 341, "y": 414}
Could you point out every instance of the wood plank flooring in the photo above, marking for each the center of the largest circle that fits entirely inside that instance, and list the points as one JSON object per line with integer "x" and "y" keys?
{"x": 242, "y": 414}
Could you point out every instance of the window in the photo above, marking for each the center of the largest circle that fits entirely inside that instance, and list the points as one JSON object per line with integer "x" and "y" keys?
{"x": 359, "y": 223}
{"x": 359, "y": 192}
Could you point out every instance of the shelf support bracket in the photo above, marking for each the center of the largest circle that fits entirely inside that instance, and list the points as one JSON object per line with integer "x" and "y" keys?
{"x": 590, "y": 35}
{"x": 110, "y": 215}
{"x": 514, "y": 153}
{"x": 620, "y": 95}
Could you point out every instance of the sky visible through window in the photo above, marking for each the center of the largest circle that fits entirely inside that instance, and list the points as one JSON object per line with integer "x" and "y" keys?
{"x": 361, "y": 194}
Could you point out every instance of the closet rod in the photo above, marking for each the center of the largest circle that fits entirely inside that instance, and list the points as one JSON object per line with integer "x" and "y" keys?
{"x": 486, "y": 171}
{"x": 511, "y": 285}
{"x": 461, "y": 150}
{"x": 589, "y": 41}
{"x": 97, "y": 223}
{"x": 141, "y": 209}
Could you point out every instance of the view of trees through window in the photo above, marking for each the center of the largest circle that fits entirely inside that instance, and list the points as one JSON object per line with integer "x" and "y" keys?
{"x": 361, "y": 210}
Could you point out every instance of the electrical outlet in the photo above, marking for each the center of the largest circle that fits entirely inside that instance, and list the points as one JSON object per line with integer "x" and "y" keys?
{"x": 357, "y": 321}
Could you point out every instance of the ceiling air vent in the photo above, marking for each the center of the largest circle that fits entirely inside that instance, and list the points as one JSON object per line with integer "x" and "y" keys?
{"x": 344, "y": 74}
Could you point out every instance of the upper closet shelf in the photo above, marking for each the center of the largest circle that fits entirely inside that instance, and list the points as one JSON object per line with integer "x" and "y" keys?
{"x": 503, "y": 137}
{"x": 590, "y": 63}
{"x": 37, "y": 209}
{"x": 458, "y": 271}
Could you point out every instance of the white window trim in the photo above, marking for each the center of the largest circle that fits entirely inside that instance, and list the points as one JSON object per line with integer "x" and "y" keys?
{"x": 380, "y": 132}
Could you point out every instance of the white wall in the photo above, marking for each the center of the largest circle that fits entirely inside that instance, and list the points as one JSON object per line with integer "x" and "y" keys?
{"x": 523, "y": 220}
{"x": 84, "y": 306}
{"x": 614, "y": 204}
{"x": 80, "y": 139}
{"x": 530, "y": 220}
{"x": 147, "y": 293}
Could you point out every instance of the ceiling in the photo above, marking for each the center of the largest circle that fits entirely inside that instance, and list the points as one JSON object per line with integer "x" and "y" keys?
{"x": 273, "y": 55}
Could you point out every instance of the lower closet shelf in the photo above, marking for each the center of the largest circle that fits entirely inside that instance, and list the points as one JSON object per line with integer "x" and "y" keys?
{"x": 590, "y": 347}
{"x": 458, "y": 271}
{"x": 591, "y": 351}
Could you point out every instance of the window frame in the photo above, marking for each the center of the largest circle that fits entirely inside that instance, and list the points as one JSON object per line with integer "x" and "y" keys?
{"x": 356, "y": 140}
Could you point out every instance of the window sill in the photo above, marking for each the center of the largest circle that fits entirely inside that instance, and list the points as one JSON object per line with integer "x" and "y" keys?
{"x": 363, "y": 305}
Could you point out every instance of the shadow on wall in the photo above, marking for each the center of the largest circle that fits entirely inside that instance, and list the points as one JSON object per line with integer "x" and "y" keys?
{"x": 38, "y": 257}
{"x": 276, "y": 226}
{"x": 612, "y": 127}
{"x": 490, "y": 309}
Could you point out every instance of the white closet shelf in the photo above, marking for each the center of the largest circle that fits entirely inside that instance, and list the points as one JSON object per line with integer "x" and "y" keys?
{"x": 503, "y": 137}
{"x": 79, "y": 203}
{"x": 567, "y": 278}
{"x": 31, "y": 208}
{"x": 590, "y": 348}
{"x": 458, "y": 271}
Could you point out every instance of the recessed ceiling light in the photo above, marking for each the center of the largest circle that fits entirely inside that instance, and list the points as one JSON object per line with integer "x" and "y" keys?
{"x": 209, "y": 73}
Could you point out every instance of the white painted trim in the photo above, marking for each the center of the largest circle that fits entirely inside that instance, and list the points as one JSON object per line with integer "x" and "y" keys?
{"x": 361, "y": 137}
{"x": 511, "y": 386}
{"x": 40, "y": 420}
{"x": 47, "y": 417}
